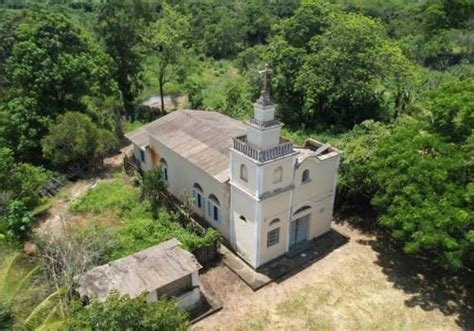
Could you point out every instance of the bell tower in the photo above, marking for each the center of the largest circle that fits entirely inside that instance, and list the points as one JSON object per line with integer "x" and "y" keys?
{"x": 261, "y": 178}
{"x": 263, "y": 130}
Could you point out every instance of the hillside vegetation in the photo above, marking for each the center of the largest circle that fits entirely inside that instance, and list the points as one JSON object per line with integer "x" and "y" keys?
{"x": 391, "y": 83}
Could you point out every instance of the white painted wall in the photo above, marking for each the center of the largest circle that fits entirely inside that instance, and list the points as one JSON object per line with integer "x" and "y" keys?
{"x": 245, "y": 239}
{"x": 189, "y": 299}
{"x": 263, "y": 138}
{"x": 181, "y": 177}
{"x": 147, "y": 165}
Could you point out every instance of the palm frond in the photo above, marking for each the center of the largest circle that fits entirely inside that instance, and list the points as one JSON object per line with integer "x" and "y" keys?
{"x": 46, "y": 310}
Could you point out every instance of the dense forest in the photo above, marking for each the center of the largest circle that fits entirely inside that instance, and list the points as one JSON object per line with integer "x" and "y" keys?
{"x": 389, "y": 82}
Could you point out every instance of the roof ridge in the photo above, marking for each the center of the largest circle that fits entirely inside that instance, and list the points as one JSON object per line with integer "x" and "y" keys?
{"x": 210, "y": 112}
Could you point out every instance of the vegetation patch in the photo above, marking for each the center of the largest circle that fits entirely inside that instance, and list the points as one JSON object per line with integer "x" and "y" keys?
{"x": 137, "y": 228}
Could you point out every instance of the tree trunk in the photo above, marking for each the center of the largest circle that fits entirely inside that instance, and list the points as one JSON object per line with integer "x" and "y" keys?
{"x": 162, "y": 96}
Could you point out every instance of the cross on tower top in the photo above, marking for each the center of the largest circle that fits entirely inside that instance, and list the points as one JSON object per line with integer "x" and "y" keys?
{"x": 265, "y": 73}
{"x": 265, "y": 93}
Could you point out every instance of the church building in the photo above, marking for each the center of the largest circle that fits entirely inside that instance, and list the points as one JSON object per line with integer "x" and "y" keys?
{"x": 265, "y": 195}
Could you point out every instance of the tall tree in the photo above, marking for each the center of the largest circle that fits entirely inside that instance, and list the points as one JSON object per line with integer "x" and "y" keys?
{"x": 168, "y": 40}
{"x": 334, "y": 68}
{"x": 425, "y": 194}
{"x": 53, "y": 65}
{"x": 120, "y": 25}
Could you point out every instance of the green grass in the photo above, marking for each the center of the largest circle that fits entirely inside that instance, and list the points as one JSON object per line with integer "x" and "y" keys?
{"x": 137, "y": 229}
{"x": 108, "y": 195}
{"x": 132, "y": 126}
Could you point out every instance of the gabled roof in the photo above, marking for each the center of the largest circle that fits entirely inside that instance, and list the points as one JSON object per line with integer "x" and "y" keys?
{"x": 201, "y": 137}
{"x": 147, "y": 270}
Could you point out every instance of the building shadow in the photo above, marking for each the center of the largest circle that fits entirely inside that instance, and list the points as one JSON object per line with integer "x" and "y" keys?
{"x": 286, "y": 266}
{"x": 431, "y": 287}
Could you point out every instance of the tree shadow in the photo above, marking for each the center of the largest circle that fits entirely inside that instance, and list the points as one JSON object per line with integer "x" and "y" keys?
{"x": 431, "y": 287}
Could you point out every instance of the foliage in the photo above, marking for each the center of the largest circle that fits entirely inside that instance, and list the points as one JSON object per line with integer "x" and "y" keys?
{"x": 112, "y": 194}
{"x": 453, "y": 110}
{"x": 18, "y": 221}
{"x": 422, "y": 184}
{"x": 139, "y": 230}
{"x": 20, "y": 181}
{"x": 15, "y": 279}
{"x": 167, "y": 40}
{"x": 152, "y": 189}
{"x": 125, "y": 313}
{"x": 53, "y": 64}
{"x": 76, "y": 140}
{"x": 340, "y": 68}
{"x": 132, "y": 126}
{"x": 119, "y": 25}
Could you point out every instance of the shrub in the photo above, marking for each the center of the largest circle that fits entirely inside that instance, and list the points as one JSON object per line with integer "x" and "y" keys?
{"x": 18, "y": 221}
{"x": 76, "y": 140}
{"x": 140, "y": 231}
{"x": 152, "y": 188}
{"x": 125, "y": 313}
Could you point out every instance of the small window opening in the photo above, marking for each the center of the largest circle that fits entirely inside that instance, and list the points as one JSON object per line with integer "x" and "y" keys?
{"x": 243, "y": 172}
{"x": 305, "y": 177}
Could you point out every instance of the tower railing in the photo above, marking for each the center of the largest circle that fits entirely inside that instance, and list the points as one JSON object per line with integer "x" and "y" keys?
{"x": 241, "y": 144}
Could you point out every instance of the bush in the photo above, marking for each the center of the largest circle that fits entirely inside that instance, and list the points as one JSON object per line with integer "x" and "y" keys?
{"x": 76, "y": 140}
{"x": 18, "y": 221}
{"x": 125, "y": 313}
{"x": 20, "y": 181}
{"x": 152, "y": 188}
{"x": 140, "y": 231}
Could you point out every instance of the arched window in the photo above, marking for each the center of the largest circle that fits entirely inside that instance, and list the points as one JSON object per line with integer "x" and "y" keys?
{"x": 274, "y": 221}
{"x": 302, "y": 209}
{"x": 242, "y": 218}
{"x": 164, "y": 169}
{"x": 243, "y": 172}
{"x": 305, "y": 176}
{"x": 277, "y": 175}
{"x": 198, "y": 196}
{"x": 213, "y": 208}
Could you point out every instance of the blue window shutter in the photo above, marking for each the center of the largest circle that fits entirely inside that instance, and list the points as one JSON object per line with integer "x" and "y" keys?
{"x": 216, "y": 213}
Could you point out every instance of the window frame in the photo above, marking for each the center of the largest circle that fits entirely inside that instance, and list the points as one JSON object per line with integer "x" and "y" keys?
{"x": 273, "y": 237}
{"x": 164, "y": 170}
{"x": 142, "y": 156}
{"x": 198, "y": 196}
{"x": 213, "y": 208}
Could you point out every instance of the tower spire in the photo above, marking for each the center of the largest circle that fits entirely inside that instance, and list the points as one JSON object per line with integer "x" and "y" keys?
{"x": 265, "y": 99}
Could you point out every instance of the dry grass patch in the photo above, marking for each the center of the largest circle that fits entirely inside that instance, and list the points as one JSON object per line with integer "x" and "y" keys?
{"x": 354, "y": 296}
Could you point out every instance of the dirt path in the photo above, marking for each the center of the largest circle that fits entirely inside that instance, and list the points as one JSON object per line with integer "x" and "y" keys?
{"x": 57, "y": 217}
{"x": 354, "y": 287}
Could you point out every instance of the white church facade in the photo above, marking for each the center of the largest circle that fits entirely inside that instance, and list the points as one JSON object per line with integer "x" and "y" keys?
{"x": 266, "y": 196}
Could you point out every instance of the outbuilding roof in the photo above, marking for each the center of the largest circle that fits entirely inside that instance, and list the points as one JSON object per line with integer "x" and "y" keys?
{"x": 201, "y": 137}
{"x": 147, "y": 270}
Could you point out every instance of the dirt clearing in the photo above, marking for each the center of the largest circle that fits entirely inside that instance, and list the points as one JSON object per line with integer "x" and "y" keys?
{"x": 361, "y": 285}
{"x": 57, "y": 218}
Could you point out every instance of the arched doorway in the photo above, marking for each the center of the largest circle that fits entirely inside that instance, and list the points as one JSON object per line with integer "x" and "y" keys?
{"x": 299, "y": 228}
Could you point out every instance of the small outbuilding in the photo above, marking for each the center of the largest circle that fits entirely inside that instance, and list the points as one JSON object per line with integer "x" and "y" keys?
{"x": 162, "y": 270}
